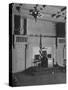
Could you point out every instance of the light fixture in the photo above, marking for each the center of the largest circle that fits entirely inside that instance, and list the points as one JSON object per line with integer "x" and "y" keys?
{"x": 63, "y": 9}
{"x": 60, "y": 13}
{"x": 18, "y": 8}
{"x": 35, "y": 12}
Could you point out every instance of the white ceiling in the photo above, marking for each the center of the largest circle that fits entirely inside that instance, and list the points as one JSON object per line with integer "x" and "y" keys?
{"x": 46, "y": 12}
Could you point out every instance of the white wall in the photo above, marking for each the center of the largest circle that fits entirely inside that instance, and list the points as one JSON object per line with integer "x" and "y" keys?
{"x": 40, "y": 27}
{"x": 18, "y": 57}
{"x": 60, "y": 53}
{"x": 37, "y": 28}
{"x": 35, "y": 42}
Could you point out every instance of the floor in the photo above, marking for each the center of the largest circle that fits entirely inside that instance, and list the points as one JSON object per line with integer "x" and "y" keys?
{"x": 40, "y": 76}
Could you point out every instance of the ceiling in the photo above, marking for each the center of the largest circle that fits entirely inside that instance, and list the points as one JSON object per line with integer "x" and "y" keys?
{"x": 46, "y": 12}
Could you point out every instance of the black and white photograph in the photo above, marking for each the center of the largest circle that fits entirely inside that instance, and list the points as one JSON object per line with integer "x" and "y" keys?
{"x": 37, "y": 44}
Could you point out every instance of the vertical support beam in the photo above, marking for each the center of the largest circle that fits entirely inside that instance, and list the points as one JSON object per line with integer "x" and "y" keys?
{"x": 25, "y": 26}
{"x": 40, "y": 46}
{"x": 22, "y": 24}
{"x": 12, "y": 23}
{"x": 56, "y": 49}
{"x": 56, "y": 40}
{"x": 25, "y": 54}
{"x": 64, "y": 53}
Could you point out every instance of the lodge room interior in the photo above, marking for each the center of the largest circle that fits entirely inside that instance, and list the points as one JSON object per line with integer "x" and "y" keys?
{"x": 38, "y": 44}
